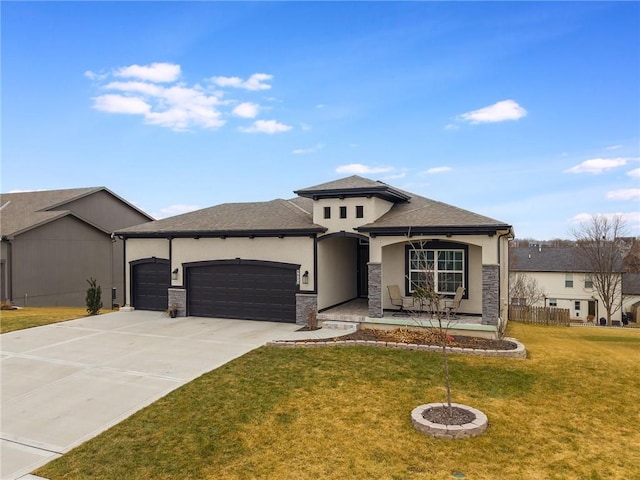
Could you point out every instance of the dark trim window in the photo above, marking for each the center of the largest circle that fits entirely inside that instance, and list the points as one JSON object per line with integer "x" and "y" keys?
{"x": 444, "y": 263}
{"x": 343, "y": 212}
{"x": 359, "y": 211}
{"x": 588, "y": 281}
{"x": 568, "y": 280}
{"x": 327, "y": 212}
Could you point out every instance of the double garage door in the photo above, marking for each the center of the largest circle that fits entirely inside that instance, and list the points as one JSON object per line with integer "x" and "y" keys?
{"x": 245, "y": 289}
{"x": 242, "y": 289}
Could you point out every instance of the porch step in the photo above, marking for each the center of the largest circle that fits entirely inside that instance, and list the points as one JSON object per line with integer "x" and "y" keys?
{"x": 340, "y": 325}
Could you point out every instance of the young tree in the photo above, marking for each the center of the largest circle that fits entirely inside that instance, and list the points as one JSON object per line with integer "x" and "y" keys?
{"x": 599, "y": 245}
{"x": 525, "y": 289}
{"x": 94, "y": 297}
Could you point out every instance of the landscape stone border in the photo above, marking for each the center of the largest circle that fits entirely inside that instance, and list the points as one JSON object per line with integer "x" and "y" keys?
{"x": 519, "y": 352}
{"x": 438, "y": 430}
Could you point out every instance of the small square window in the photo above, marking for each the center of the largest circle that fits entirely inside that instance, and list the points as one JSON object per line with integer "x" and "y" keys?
{"x": 359, "y": 211}
{"x": 343, "y": 212}
{"x": 553, "y": 302}
{"x": 327, "y": 212}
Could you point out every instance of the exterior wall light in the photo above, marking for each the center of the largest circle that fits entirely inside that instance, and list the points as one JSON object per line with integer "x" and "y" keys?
{"x": 174, "y": 274}
{"x": 305, "y": 277}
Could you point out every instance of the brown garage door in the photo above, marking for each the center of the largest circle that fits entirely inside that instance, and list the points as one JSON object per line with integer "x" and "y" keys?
{"x": 243, "y": 289}
{"x": 150, "y": 282}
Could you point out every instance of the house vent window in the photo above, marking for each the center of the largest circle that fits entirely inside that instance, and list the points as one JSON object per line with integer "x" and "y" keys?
{"x": 553, "y": 302}
{"x": 343, "y": 212}
{"x": 568, "y": 280}
{"x": 359, "y": 211}
{"x": 446, "y": 268}
{"x": 327, "y": 212}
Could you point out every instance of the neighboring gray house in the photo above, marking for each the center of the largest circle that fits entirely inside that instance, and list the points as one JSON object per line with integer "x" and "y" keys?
{"x": 631, "y": 296}
{"x": 53, "y": 241}
{"x": 283, "y": 260}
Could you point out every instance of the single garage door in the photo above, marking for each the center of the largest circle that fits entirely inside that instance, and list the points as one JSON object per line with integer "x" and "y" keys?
{"x": 151, "y": 279}
{"x": 243, "y": 289}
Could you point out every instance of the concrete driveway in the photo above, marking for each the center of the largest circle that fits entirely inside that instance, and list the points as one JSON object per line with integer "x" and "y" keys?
{"x": 63, "y": 384}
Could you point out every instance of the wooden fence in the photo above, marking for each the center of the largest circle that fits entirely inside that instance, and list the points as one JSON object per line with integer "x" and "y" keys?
{"x": 539, "y": 315}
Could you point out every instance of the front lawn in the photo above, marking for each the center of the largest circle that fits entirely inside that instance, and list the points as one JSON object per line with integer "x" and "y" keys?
{"x": 568, "y": 412}
{"x": 11, "y": 320}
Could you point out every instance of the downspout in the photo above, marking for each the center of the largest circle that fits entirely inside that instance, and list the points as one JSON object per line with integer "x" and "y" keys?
{"x": 508, "y": 234}
{"x": 9, "y": 272}
{"x": 124, "y": 270}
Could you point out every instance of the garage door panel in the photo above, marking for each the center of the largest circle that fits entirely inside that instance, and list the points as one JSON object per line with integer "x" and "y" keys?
{"x": 244, "y": 291}
{"x": 151, "y": 282}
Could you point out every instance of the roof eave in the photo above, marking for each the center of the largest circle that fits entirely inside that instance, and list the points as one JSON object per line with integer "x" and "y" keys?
{"x": 298, "y": 232}
{"x": 384, "y": 192}
{"x": 447, "y": 230}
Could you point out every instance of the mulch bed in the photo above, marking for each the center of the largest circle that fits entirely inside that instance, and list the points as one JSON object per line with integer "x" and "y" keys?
{"x": 423, "y": 337}
{"x": 459, "y": 416}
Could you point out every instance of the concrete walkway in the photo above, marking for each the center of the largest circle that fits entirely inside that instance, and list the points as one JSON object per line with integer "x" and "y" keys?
{"x": 64, "y": 383}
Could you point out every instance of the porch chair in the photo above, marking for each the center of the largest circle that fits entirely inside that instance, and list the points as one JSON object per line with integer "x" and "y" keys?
{"x": 398, "y": 300}
{"x": 451, "y": 306}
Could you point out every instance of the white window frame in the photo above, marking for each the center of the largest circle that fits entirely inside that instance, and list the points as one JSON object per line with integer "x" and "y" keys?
{"x": 568, "y": 280}
{"x": 442, "y": 263}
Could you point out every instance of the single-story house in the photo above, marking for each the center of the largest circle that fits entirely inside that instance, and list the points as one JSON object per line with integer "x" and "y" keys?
{"x": 566, "y": 281}
{"x": 53, "y": 241}
{"x": 284, "y": 260}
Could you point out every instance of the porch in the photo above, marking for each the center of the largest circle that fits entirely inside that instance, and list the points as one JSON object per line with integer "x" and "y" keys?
{"x": 356, "y": 311}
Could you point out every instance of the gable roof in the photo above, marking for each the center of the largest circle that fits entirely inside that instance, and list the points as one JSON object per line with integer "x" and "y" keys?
{"x": 234, "y": 219}
{"x": 23, "y": 211}
{"x": 545, "y": 259}
{"x": 631, "y": 284}
{"x": 409, "y": 214}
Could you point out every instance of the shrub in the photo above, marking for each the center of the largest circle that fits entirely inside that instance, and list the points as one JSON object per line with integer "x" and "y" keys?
{"x": 94, "y": 297}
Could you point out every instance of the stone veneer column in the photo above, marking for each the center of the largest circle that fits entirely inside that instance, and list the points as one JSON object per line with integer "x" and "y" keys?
{"x": 178, "y": 297}
{"x": 490, "y": 294}
{"x": 375, "y": 289}
{"x": 306, "y": 304}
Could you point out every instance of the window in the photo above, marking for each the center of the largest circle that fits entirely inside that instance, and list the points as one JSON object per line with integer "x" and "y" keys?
{"x": 359, "y": 211}
{"x": 518, "y": 302}
{"x": 553, "y": 302}
{"x": 445, "y": 267}
{"x": 343, "y": 212}
{"x": 588, "y": 281}
{"x": 327, "y": 212}
{"x": 568, "y": 280}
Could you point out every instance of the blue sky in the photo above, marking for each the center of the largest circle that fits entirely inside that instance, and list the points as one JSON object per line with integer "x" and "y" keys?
{"x": 525, "y": 112}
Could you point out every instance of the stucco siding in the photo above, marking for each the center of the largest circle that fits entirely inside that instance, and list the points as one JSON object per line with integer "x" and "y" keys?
{"x": 139, "y": 248}
{"x": 373, "y": 208}
{"x": 51, "y": 264}
{"x": 293, "y": 250}
{"x": 337, "y": 271}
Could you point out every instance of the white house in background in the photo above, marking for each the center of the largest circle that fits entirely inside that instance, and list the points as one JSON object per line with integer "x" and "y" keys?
{"x": 566, "y": 283}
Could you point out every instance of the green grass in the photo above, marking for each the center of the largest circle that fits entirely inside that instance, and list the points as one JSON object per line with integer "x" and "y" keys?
{"x": 568, "y": 412}
{"x": 11, "y": 320}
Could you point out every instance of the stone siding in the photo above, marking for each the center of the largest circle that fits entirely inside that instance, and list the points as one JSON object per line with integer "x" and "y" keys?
{"x": 178, "y": 297}
{"x": 490, "y": 294}
{"x": 306, "y": 305}
{"x": 375, "y": 290}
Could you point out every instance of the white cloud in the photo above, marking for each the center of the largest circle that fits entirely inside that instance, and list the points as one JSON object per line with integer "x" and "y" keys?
{"x": 624, "y": 194}
{"x": 156, "y": 72}
{"x": 451, "y": 126}
{"x": 266, "y": 126}
{"x": 246, "y": 110}
{"x": 254, "y": 82}
{"x": 498, "y": 112}
{"x": 114, "y": 103}
{"x": 305, "y": 151}
{"x": 613, "y": 147}
{"x": 435, "y": 170}
{"x": 635, "y": 173}
{"x": 153, "y": 92}
{"x": 358, "y": 168}
{"x": 597, "y": 165}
